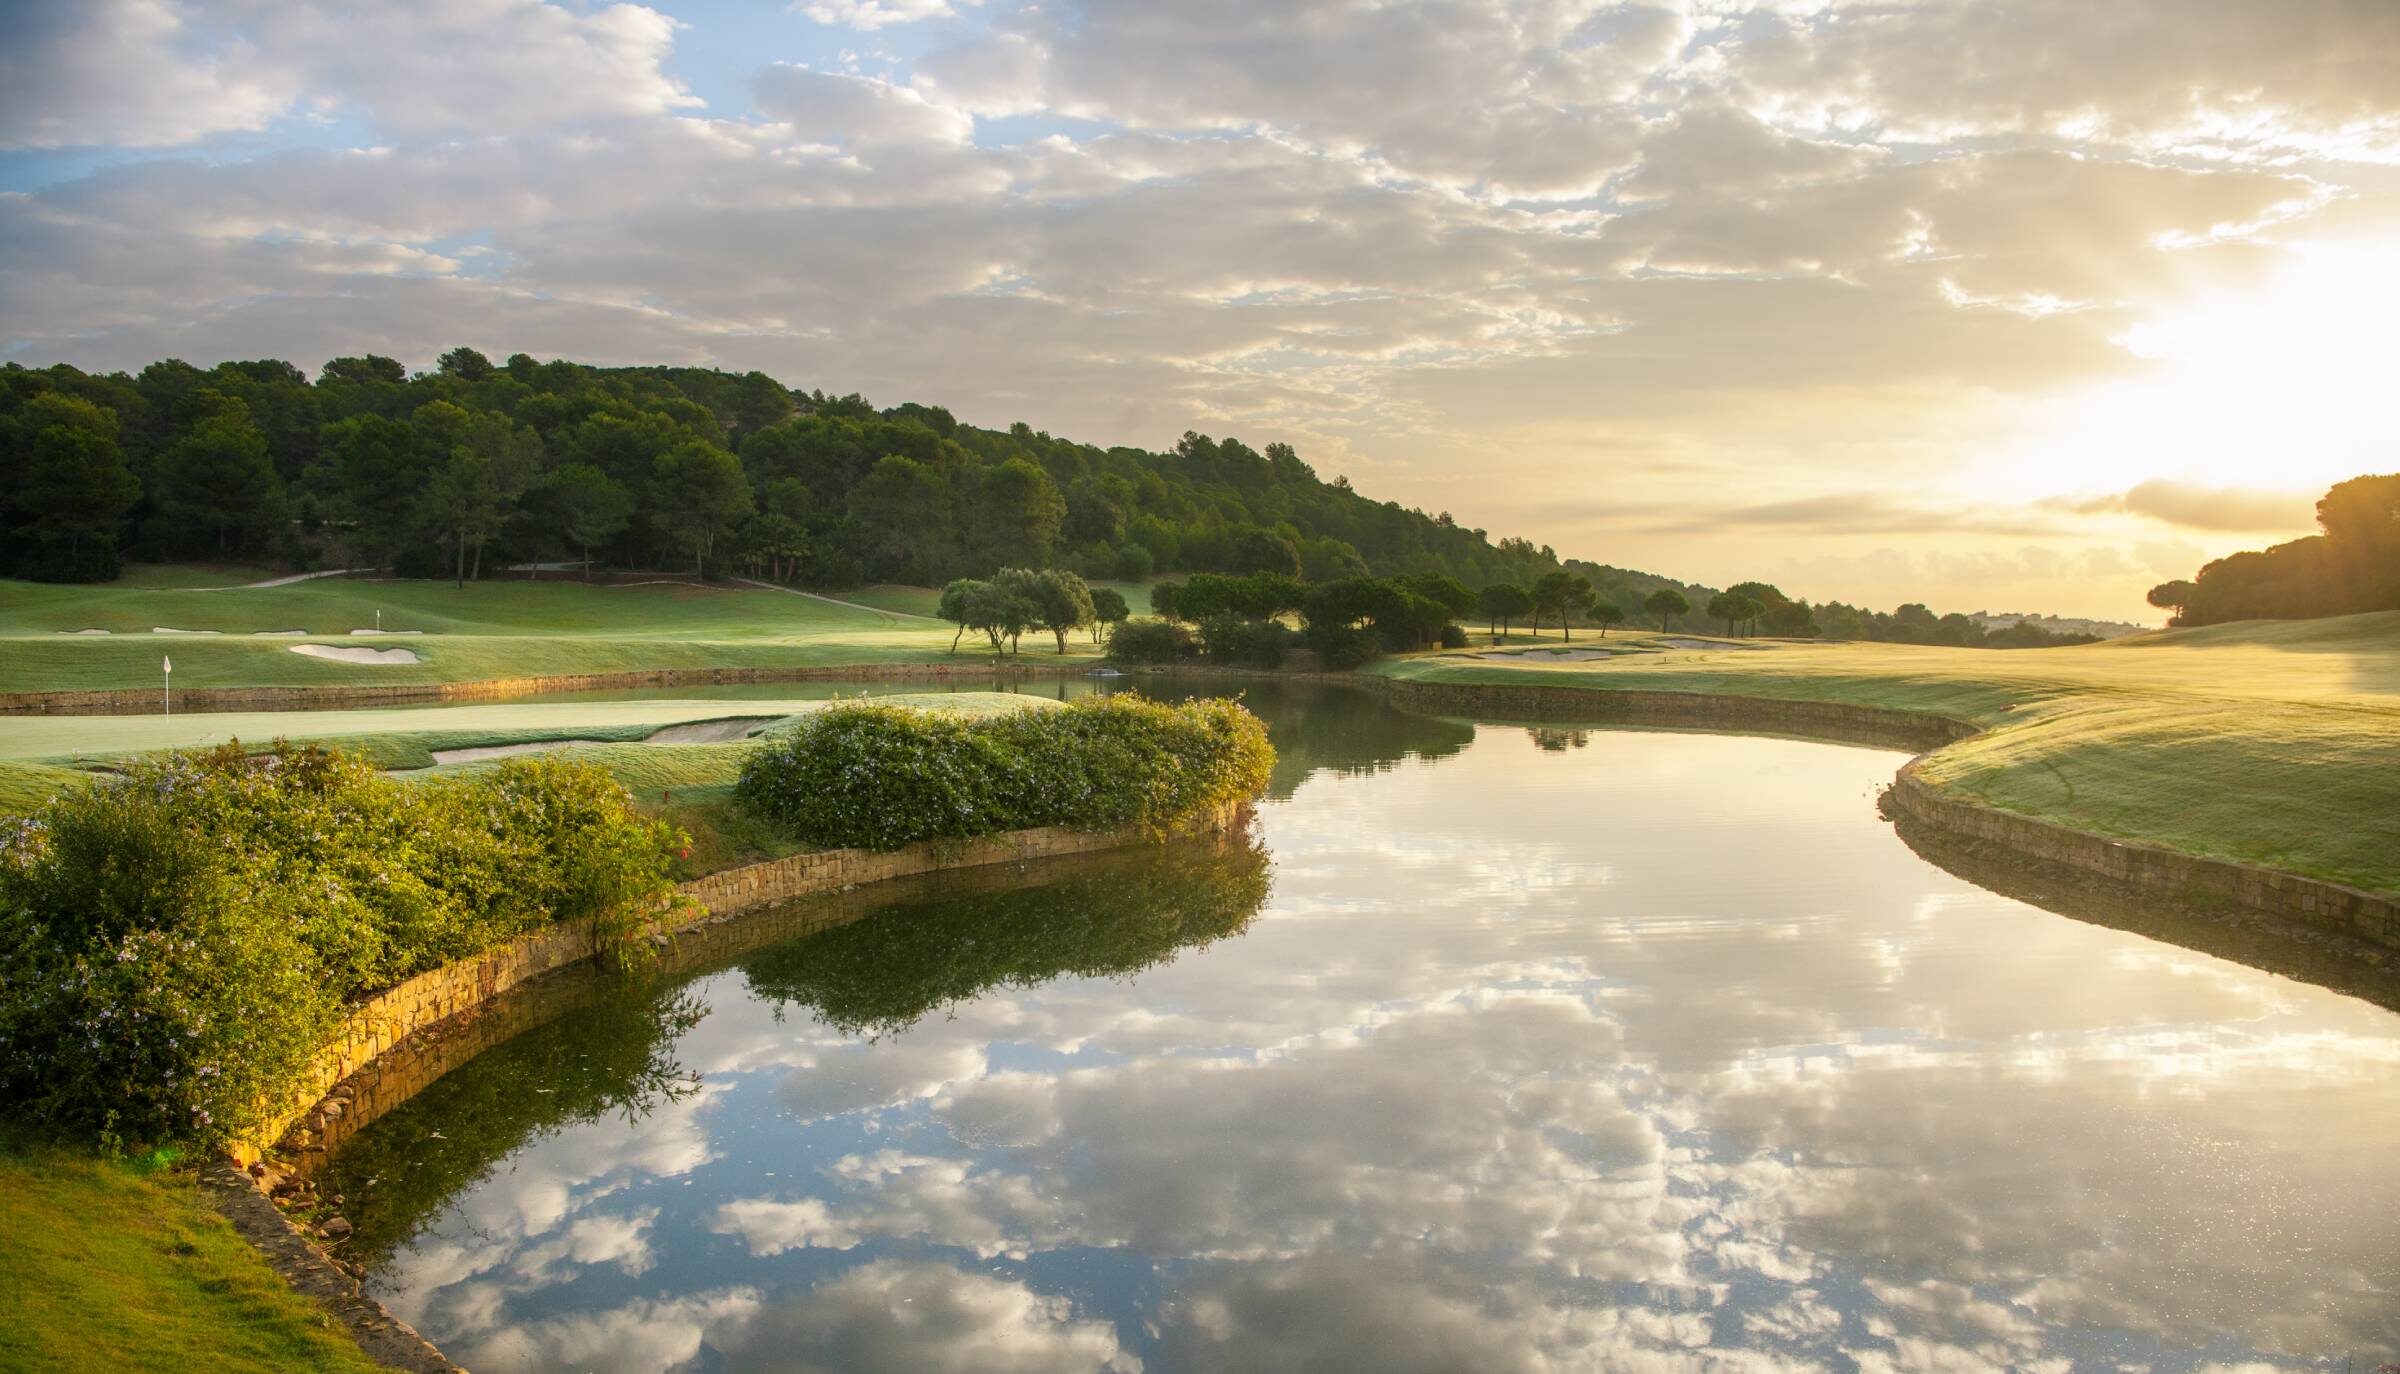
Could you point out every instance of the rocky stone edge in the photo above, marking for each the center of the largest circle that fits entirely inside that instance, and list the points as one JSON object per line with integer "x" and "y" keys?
{"x": 310, "y": 1270}
{"x": 321, "y": 697}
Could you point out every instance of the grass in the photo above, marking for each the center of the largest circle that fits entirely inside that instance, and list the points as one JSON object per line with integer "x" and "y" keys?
{"x": 2267, "y": 742}
{"x": 111, "y": 1268}
{"x": 888, "y": 596}
{"x": 484, "y": 630}
{"x": 689, "y": 784}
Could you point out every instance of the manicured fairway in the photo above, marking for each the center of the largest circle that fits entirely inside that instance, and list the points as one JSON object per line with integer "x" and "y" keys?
{"x": 484, "y": 630}
{"x": 2270, "y": 742}
{"x": 39, "y": 755}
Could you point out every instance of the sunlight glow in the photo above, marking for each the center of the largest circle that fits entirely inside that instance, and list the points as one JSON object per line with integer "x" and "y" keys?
{"x": 2287, "y": 386}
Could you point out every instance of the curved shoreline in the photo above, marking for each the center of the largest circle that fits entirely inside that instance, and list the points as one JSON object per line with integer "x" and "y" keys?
{"x": 2143, "y": 872}
{"x": 397, "y": 1042}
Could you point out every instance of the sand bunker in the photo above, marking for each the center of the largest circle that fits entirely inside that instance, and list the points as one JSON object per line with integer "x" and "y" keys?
{"x": 709, "y": 731}
{"x": 281, "y": 634}
{"x": 343, "y": 653}
{"x": 83, "y": 632}
{"x": 387, "y": 632}
{"x": 1549, "y": 656}
{"x": 499, "y": 751}
{"x": 171, "y": 630}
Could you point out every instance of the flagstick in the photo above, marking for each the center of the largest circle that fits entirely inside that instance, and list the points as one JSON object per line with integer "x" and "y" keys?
{"x": 166, "y": 669}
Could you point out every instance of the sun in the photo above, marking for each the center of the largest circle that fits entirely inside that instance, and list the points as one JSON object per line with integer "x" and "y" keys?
{"x": 2285, "y": 386}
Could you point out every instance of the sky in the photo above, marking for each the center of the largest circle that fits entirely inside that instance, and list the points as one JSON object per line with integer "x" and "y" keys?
{"x": 2023, "y": 305}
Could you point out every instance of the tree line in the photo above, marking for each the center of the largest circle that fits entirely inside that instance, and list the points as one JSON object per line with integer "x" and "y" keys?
{"x": 477, "y": 465}
{"x": 2353, "y": 566}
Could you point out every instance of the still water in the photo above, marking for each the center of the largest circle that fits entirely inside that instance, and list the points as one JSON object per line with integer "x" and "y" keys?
{"x": 1495, "y": 1049}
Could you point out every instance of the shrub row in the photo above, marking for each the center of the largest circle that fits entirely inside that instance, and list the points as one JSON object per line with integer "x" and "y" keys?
{"x": 176, "y": 945}
{"x": 880, "y": 777}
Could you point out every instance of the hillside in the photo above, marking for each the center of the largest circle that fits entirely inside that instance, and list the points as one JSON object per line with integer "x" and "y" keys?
{"x": 479, "y": 465}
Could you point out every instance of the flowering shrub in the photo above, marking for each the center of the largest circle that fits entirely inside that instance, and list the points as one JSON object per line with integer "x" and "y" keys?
{"x": 879, "y": 777}
{"x": 175, "y": 946}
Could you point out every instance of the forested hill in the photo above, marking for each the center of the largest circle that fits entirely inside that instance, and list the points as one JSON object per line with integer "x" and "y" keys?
{"x": 478, "y": 465}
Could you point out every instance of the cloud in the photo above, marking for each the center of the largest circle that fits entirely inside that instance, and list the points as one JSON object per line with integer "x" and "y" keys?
{"x": 2220, "y": 76}
{"x": 893, "y": 1314}
{"x": 120, "y": 72}
{"x": 834, "y": 108}
{"x": 2173, "y": 502}
{"x": 1857, "y": 512}
{"x": 872, "y": 14}
{"x": 151, "y": 73}
{"x": 1619, "y": 253}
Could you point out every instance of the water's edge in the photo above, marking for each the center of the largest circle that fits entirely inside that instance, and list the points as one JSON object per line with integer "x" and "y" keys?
{"x": 393, "y": 1045}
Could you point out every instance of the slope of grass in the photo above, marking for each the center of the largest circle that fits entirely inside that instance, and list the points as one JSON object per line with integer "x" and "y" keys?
{"x": 891, "y": 596}
{"x": 108, "y": 1270}
{"x": 484, "y": 630}
{"x": 2274, "y": 743}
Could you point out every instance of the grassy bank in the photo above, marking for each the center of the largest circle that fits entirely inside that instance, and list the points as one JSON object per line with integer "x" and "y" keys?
{"x": 484, "y": 630}
{"x": 109, "y": 1268}
{"x": 688, "y": 784}
{"x": 2274, "y": 743}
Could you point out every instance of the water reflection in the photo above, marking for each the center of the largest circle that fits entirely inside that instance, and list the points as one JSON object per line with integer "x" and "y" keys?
{"x": 1659, "y": 1052}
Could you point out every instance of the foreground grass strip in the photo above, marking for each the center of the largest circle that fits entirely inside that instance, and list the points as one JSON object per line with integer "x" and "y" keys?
{"x": 108, "y": 1270}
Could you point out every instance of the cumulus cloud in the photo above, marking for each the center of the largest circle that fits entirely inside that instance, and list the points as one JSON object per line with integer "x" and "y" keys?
{"x": 894, "y": 1314}
{"x": 151, "y": 73}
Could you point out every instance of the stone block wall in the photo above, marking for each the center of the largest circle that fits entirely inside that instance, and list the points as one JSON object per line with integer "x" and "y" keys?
{"x": 337, "y": 1097}
{"x": 2158, "y": 873}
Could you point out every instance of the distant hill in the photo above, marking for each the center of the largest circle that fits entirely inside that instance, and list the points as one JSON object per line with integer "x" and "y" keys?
{"x": 2060, "y": 625}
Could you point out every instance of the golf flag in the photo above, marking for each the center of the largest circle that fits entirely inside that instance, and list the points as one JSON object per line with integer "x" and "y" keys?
{"x": 165, "y": 664}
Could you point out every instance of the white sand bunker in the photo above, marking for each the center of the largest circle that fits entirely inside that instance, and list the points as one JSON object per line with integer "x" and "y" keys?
{"x": 387, "y": 632}
{"x": 343, "y": 653}
{"x": 709, "y": 731}
{"x": 499, "y": 751}
{"x": 1550, "y": 656}
{"x": 83, "y": 632}
{"x": 281, "y": 634}
{"x": 171, "y": 630}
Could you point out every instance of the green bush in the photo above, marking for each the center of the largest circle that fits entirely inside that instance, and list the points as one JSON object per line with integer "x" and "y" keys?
{"x": 1341, "y": 646}
{"x": 176, "y": 945}
{"x": 1151, "y": 641}
{"x": 1454, "y": 637}
{"x": 1255, "y": 643}
{"x": 879, "y": 777}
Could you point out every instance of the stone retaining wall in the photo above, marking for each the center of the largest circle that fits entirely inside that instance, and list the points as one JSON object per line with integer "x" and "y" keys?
{"x": 337, "y": 697}
{"x": 2158, "y": 873}
{"x": 328, "y": 1105}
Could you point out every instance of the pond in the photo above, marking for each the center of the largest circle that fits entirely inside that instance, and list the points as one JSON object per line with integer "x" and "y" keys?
{"x": 1493, "y": 1048}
